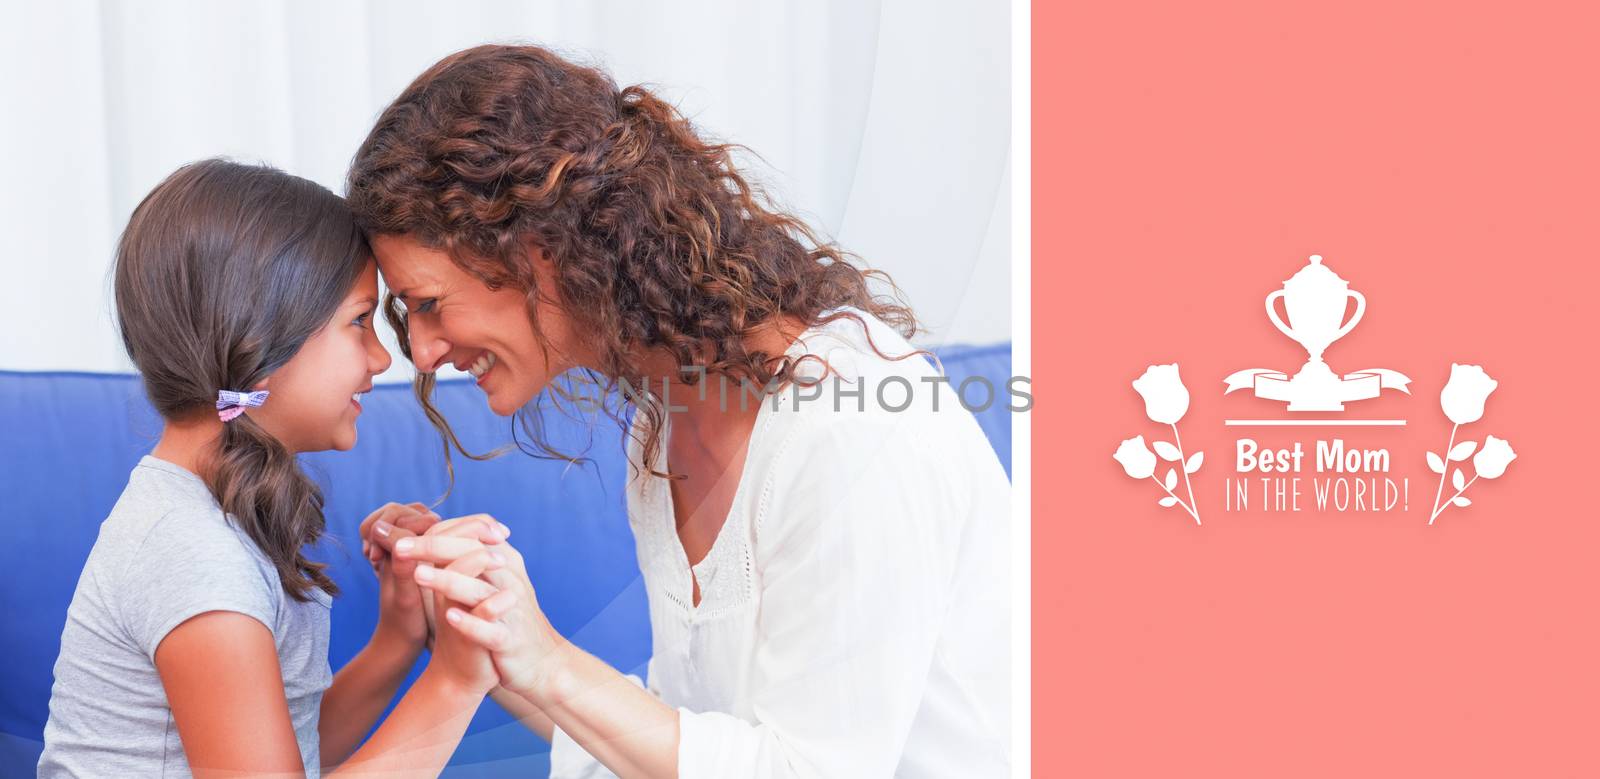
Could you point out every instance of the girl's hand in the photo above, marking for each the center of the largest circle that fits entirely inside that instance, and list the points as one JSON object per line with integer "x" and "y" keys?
{"x": 495, "y": 608}
{"x": 402, "y": 619}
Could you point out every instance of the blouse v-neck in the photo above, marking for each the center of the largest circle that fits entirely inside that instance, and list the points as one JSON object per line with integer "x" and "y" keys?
{"x": 725, "y": 569}
{"x": 717, "y": 555}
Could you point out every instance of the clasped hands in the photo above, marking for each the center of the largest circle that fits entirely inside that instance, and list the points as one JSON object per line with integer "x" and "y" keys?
{"x": 494, "y": 633}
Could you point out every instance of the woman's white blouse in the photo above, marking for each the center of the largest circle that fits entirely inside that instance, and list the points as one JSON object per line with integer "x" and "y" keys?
{"x": 854, "y": 617}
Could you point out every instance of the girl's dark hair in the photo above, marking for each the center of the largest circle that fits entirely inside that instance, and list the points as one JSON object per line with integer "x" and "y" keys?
{"x": 224, "y": 272}
{"x": 657, "y": 241}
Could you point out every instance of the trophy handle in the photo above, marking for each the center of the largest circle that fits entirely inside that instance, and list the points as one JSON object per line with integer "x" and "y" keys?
{"x": 1361, "y": 308}
{"x": 1272, "y": 313}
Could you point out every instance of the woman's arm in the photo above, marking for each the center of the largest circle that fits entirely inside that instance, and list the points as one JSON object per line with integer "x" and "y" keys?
{"x": 525, "y": 712}
{"x": 617, "y": 722}
{"x": 535, "y": 719}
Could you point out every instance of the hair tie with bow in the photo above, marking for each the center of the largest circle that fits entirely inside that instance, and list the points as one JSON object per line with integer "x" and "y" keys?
{"x": 231, "y": 404}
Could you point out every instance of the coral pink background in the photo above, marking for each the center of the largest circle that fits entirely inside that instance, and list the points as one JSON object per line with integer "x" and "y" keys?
{"x": 1442, "y": 157}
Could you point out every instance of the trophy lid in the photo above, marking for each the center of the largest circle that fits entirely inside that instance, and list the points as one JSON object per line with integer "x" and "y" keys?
{"x": 1315, "y": 274}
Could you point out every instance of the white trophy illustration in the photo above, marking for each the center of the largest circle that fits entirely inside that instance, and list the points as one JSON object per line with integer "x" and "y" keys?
{"x": 1315, "y": 299}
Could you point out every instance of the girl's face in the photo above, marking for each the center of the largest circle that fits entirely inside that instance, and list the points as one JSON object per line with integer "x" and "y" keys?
{"x": 453, "y": 318}
{"x": 313, "y": 405}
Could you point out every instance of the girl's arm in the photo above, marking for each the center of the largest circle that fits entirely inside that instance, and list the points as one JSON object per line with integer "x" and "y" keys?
{"x": 241, "y": 726}
{"x": 221, "y": 675}
{"x": 225, "y": 688}
{"x": 361, "y": 690}
{"x": 423, "y": 731}
{"x": 427, "y": 725}
{"x": 365, "y": 685}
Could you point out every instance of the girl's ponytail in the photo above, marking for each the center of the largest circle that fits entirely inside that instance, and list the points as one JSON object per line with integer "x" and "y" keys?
{"x": 259, "y": 483}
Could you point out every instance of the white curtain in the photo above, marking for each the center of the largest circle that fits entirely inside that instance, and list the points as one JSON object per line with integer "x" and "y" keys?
{"x": 884, "y": 122}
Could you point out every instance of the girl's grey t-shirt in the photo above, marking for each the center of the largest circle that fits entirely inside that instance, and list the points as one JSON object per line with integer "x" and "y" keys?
{"x": 165, "y": 554}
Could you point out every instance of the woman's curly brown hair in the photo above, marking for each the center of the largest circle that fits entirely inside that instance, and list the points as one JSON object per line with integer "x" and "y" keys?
{"x": 657, "y": 242}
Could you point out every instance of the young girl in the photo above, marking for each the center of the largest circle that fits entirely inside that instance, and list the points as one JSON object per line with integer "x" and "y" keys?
{"x": 197, "y": 639}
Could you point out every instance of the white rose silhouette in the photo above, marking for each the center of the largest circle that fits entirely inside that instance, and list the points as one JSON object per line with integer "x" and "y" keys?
{"x": 1464, "y": 395}
{"x": 1136, "y": 458}
{"x": 1493, "y": 458}
{"x": 1462, "y": 399}
{"x": 1166, "y": 400}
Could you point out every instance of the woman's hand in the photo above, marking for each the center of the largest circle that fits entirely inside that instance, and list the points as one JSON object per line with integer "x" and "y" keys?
{"x": 494, "y": 608}
{"x": 455, "y": 655}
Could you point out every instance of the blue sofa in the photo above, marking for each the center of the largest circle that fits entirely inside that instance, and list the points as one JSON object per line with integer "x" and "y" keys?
{"x": 68, "y": 440}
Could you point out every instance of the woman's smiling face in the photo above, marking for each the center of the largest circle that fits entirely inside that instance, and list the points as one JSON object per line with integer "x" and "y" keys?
{"x": 453, "y": 318}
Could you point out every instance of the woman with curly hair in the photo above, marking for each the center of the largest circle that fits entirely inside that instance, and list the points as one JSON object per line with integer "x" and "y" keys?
{"x": 823, "y": 544}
